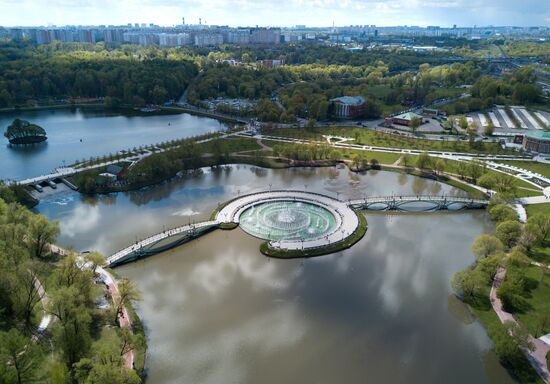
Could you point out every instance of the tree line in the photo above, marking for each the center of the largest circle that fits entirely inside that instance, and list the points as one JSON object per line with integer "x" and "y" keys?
{"x": 30, "y": 74}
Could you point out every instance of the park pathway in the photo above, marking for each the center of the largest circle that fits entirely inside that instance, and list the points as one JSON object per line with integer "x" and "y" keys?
{"x": 537, "y": 357}
{"x": 123, "y": 317}
{"x": 112, "y": 285}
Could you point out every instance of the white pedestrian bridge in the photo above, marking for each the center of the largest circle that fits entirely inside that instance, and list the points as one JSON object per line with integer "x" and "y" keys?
{"x": 291, "y": 220}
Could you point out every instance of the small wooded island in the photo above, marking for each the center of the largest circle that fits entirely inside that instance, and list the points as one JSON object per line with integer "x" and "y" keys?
{"x": 24, "y": 132}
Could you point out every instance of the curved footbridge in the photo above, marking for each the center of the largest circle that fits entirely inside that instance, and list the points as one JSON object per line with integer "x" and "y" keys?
{"x": 309, "y": 236}
{"x": 417, "y": 203}
{"x": 157, "y": 243}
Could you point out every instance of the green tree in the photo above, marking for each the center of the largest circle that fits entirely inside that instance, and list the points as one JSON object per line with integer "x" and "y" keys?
{"x": 424, "y": 161}
{"x": 468, "y": 284}
{"x": 95, "y": 260}
{"x": 485, "y": 245}
{"x": 19, "y": 357}
{"x": 127, "y": 293}
{"x": 439, "y": 166}
{"x": 541, "y": 222}
{"x": 41, "y": 232}
{"x": 501, "y": 212}
{"x": 475, "y": 171}
{"x": 508, "y": 232}
{"x": 520, "y": 335}
{"x": 72, "y": 328}
{"x": 415, "y": 123}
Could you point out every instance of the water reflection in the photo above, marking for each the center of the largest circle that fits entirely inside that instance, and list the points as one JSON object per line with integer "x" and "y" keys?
{"x": 216, "y": 310}
{"x": 77, "y": 134}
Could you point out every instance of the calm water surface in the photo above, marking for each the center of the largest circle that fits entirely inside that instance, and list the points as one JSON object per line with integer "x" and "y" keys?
{"x": 216, "y": 310}
{"x": 101, "y": 133}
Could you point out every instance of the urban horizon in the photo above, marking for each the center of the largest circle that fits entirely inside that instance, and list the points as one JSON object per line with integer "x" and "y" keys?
{"x": 314, "y": 14}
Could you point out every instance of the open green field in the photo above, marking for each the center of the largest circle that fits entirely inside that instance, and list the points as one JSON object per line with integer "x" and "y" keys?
{"x": 540, "y": 253}
{"x": 381, "y": 139}
{"x": 543, "y": 169}
{"x": 519, "y": 367}
{"x": 538, "y": 303}
{"x": 386, "y": 158}
{"x": 538, "y": 208}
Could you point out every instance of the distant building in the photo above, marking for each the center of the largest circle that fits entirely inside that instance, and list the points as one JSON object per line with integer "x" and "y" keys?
{"x": 238, "y": 36}
{"x": 265, "y": 35}
{"x": 86, "y": 36}
{"x": 270, "y": 63}
{"x": 208, "y": 39}
{"x": 403, "y": 119}
{"x": 174, "y": 39}
{"x": 347, "y": 107}
{"x": 430, "y": 112}
{"x": 537, "y": 141}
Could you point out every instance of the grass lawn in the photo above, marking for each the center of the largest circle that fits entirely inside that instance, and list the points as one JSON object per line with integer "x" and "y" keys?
{"x": 348, "y": 154}
{"x": 381, "y": 139}
{"x": 538, "y": 300}
{"x": 519, "y": 368}
{"x": 538, "y": 208}
{"x": 229, "y": 144}
{"x": 386, "y": 158}
{"x": 543, "y": 169}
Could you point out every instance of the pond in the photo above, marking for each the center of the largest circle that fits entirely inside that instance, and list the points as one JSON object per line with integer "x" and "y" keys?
{"x": 76, "y": 134}
{"x": 217, "y": 310}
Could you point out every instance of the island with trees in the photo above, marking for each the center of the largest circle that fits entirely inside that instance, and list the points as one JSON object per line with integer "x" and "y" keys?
{"x": 21, "y": 132}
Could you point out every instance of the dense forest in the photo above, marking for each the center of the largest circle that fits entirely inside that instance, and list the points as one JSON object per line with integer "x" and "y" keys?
{"x": 81, "y": 345}
{"x": 29, "y": 73}
{"x": 518, "y": 87}
{"x": 305, "y": 90}
{"x": 389, "y": 79}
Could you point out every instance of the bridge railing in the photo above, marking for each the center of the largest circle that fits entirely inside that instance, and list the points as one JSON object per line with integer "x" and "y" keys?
{"x": 419, "y": 198}
{"x": 151, "y": 239}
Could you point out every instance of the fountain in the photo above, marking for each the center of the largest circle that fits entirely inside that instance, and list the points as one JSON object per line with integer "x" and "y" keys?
{"x": 287, "y": 220}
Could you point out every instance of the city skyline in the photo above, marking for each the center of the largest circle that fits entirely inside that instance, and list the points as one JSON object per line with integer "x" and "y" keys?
{"x": 445, "y": 13}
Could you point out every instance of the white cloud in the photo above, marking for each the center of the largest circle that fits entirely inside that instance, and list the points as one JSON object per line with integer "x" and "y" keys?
{"x": 272, "y": 12}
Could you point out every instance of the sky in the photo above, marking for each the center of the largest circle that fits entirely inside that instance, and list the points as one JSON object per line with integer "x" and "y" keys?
{"x": 284, "y": 13}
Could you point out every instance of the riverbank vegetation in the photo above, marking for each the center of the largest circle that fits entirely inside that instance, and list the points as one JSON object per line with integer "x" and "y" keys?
{"x": 524, "y": 290}
{"x": 79, "y": 344}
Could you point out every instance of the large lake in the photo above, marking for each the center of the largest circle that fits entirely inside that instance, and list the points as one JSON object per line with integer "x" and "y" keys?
{"x": 76, "y": 134}
{"x": 217, "y": 311}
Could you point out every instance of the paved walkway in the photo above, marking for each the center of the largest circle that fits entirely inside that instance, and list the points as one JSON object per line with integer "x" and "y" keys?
{"x": 158, "y": 237}
{"x": 520, "y": 173}
{"x": 123, "y": 317}
{"x": 534, "y": 200}
{"x": 537, "y": 357}
{"x": 444, "y": 154}
{"x": 112, "y": 286}
{"x": 44, "y": 299}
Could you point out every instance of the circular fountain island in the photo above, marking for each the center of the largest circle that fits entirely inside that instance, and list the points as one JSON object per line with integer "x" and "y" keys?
{"x": 295, "y": 223}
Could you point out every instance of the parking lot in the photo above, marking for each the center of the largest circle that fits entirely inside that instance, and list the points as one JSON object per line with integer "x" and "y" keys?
{"x": 514, "y": 119}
